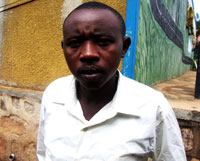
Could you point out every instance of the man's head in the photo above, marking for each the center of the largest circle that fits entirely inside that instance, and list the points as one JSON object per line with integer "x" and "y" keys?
{"x": 98, "y": 5}
{"x": 93, "y": 44}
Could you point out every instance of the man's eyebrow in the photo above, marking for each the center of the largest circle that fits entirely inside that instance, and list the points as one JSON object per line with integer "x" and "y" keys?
{"x": 74, "y": 37}
{"x": 93, "y": 36}
{"x": 101, "y": 35}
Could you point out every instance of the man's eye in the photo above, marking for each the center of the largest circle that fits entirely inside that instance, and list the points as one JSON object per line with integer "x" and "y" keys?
{"x": 103, "y": 42}
{"x": 74, "y": 43}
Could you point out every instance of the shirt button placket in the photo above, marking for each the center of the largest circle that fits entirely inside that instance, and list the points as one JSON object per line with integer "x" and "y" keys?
{"x": 82, "y": 145}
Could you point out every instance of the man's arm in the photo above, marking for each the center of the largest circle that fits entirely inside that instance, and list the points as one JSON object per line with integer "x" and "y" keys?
{"x": 168, "y": 142}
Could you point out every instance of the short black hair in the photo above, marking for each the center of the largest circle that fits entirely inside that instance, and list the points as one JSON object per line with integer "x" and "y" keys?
{"x": 98, "y": 5}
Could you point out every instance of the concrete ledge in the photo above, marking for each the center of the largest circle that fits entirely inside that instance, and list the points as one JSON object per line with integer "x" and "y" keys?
{"x": 187, "y": 115}
{"x": 21, "y": 93}
{"x": 180, "y": 94}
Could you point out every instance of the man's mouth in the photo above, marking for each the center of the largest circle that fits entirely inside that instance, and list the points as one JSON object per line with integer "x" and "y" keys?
{"x": 90, "y": 71}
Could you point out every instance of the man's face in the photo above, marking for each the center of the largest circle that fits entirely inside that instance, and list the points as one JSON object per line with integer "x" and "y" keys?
{"x": 93, "y": 45}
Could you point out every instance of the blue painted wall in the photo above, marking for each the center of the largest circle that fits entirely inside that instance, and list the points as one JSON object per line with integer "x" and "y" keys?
{"x": 132, "y": 18}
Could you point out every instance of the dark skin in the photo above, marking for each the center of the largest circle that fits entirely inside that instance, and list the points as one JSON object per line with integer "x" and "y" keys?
{"x": 93, "y": 45}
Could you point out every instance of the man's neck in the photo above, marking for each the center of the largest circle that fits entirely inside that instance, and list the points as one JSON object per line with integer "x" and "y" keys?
{"x": 93, "y": 101}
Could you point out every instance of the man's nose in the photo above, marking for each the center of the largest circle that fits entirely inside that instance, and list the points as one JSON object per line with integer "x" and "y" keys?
{"x": 89, "y": 52}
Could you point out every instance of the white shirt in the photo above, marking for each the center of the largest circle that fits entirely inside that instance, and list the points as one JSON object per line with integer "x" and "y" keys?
{"x": 138, "y": 123}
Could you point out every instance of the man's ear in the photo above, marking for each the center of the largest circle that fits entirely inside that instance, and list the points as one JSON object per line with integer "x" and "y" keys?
{"x": 126, "y": 44}
{"x": 62, "y": 44}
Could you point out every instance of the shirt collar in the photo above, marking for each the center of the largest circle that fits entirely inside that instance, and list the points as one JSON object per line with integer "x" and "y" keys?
{"x": 127, "y": 100}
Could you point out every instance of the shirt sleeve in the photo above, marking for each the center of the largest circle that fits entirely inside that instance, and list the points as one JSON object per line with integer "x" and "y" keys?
{"x": 40, "y": 141}
{"x": 168, "y": 141}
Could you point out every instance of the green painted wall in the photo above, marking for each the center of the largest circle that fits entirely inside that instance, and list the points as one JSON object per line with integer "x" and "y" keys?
{"x": 159, "y": 59}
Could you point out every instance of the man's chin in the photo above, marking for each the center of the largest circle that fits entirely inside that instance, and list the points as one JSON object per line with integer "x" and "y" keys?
{"x": 92, "y": 86}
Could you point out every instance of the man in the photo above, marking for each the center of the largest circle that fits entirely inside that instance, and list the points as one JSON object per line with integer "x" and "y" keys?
{"x": 189, "y": 22}
{"x": 97, "y": 114}
{"x": 197, "y": 55}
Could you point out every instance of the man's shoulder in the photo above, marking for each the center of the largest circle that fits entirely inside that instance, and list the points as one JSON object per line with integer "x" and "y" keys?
{"x": 60, "y": 87}
{"x": 139, "y": 92}
{"x": 61, "y": 82}
{"x": 133, "y": 86}
{"x": 135, "y": 98}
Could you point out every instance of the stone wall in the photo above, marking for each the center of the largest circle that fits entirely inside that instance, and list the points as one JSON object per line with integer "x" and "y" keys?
{"x": 191, "y": 137}
{"x": 19, "y": 117}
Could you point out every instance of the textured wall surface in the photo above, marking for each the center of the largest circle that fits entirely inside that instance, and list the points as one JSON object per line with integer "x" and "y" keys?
{"x": 1, "y": 29}
{"x": 159, "y": 59}
{"x": 31, "y": 52}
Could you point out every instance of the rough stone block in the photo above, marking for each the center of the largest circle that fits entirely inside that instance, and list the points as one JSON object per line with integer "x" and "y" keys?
{"x": 191, "y": 137}
{"x": 19, "y": 118}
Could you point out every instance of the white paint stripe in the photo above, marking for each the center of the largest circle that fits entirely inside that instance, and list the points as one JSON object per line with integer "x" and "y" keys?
{"x": 68, "y": 6}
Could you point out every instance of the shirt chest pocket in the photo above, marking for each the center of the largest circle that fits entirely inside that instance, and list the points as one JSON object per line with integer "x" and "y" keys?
{"x": 55, "y": 118}
{"x": 136, "y": 150}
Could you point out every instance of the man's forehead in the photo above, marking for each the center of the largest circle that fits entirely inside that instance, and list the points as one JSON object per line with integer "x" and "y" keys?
{"x": 91, "y": 14}
{"x": 97, "y": 19}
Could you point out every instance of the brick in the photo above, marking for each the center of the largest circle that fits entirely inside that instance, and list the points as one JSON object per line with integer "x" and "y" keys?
{"x": 16, "y": 102}
{"x": 28, "y": 107}
{"x": 30, "y": 151}
{"x": 13, "y": 124}
{"x": 2, "y": 105}
{"x": 188, "y": 137}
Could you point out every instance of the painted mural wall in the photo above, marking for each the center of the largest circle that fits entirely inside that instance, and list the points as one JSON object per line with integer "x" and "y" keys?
{"x": 159, "y": 58}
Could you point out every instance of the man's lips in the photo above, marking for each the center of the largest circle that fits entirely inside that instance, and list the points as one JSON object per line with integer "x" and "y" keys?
{"x": 90, "y": 70}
